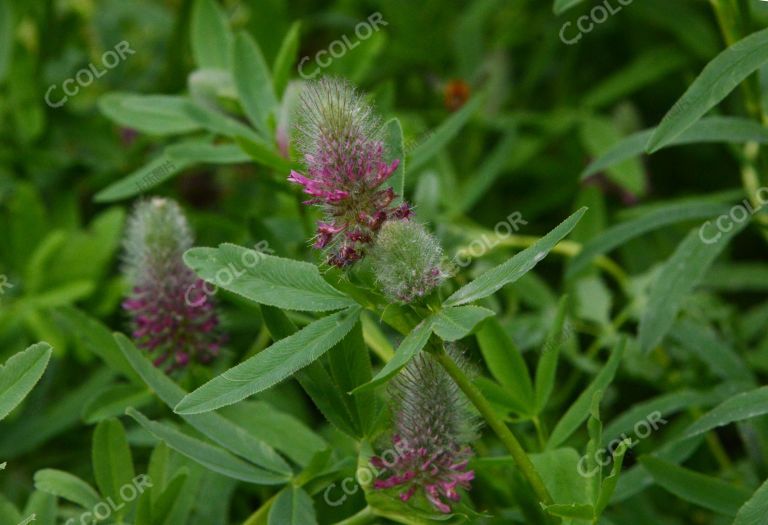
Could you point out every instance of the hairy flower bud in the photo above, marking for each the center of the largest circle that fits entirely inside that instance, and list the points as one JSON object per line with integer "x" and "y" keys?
{"x": 344, "y": 156}
{"x": 171, "y": 316}
{"x": 433, "y": 425}
{"x": 406, "y": 261}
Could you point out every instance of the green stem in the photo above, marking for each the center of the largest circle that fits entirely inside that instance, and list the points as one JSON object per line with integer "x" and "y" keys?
{"x": 363, "y": 517}
{"x": 501, "y": 430}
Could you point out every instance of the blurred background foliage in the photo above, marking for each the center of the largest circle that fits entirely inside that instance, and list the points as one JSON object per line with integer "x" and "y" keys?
{"x": 527, "y": 114}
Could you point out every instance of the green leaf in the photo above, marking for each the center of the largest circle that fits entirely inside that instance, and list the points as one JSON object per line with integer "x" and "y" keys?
{"x": 517, "y": 266}
{"x": 214, "y": 426}
{"x": 394, "y": 149}
{"x": 286, "y": 59}
{"x": 677, "y": 278}
{"x": 505, "y": 362}
{"x": 266, "y": 279}
{"x": 579, "y": 410}
{"x": 550, "y": 353}
{"x": 112, "y": 461}
{"x": 43, "y": 506}
{"x": 219, "y": 123}
{"x": 424, "y": 152}
{"x": 733, "y": 130}
{"x": 350, "y": 366}
{"x": 209, "y": 456}
{"x": 754, "y": 511}
{"x": 609, "y": 484}
{"x": 272, "y": 365}
{"x": 203, "y": 152}
{"x": 278, "y": 429}
{"x": 581, "y": 511}
{"x": 408, "y": 349}
{"x": 98, "y": 339}
{"x": 20, "y": 374}
{"x": 644, "y": 70}
{"x": 701, "y": 341}
{"x": 253, "y": 81}
{"x": 699, "y": 489}
{"x": 210, "y": 35}
{"x": 599, "y": 134}
{"x": 293, "y": 506}
{"x": 264, "y": 154}
{"x": 624, "y": 232}
{"x": 67, "y": 486}
{"x": 314, "y": 379}
{"x": 716, "y": 81}
{"x": 561, "y": 6}
{"x": 148, "y": 176}
{"x": 456, "y": 322}
{"x": 745, "y": 405}
{"x": 113, "y": 401}
{"x": 152, "y": 114}
{"x": 6, "y": 37}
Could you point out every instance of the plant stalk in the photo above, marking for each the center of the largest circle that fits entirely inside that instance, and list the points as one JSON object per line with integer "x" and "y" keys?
{"x": 499, "y": 427}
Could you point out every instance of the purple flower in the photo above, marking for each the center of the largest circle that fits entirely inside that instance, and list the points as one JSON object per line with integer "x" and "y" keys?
{"x": 345, "y": 169}
{"x": 172, "y": 318}
{"x": 432, "y": 426}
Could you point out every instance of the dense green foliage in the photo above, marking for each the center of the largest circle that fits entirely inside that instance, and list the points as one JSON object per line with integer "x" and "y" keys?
{"x": 585, "y": 270}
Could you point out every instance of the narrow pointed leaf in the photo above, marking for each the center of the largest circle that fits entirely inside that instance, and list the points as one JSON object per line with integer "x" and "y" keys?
{"x": 20, "y": 374}
{"x": 408, "y": 349}
{"x": 579, "y": 410}
{"x": 740, "y": 407}
{"x": 702, "y": 490}
{"x": 677, "y": 278}
{"x": 266, "y": 279}
{"x": 456, "y": 322}
{"x": 269, "y": 367}
{"x": 214, "y": 426}
{"x": 253, "y": 82}
{"x": 716, "y": 81}
{"x": 209, "y": 456}
{"x": 510, "y": 271}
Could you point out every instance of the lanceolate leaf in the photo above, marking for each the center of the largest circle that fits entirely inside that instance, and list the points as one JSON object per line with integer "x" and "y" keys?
{"x": 272, "y": 365}
{"x": 456, "y": 322}
{"x": 214, "y": 426}
{"x": 265, "y": 279}
{"x": 550, "y": 352}
{"x": 738, "y": 408}
{"x": 152, "y": 114}
{"x": 716, "y": 81}
{"x": 20, "y": 374}
{"x": 411, "y": 345}
{"x": 505, "y": 362}
{"x": 67, "y": 486}
{"x": 514, "y": 268}
{"x": 710, "y": 129}
{"x": 210, "y": 35}
{"x": 253, "y": 81}
{"x": 210, "y": 456}
{"x": 112, "y": 461}
{"x": 285, "y": 59}
{"x": 754, "y": 511}
{"x": 443, "y": 134}
{"x": 699, "y": 489}
{"x": 293, "y": 506}
{"x": 579, "y": 410}
{"x": 561, "y": 6}
{"x": 653, "y": 220}
{"x": 679, "y": 275}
